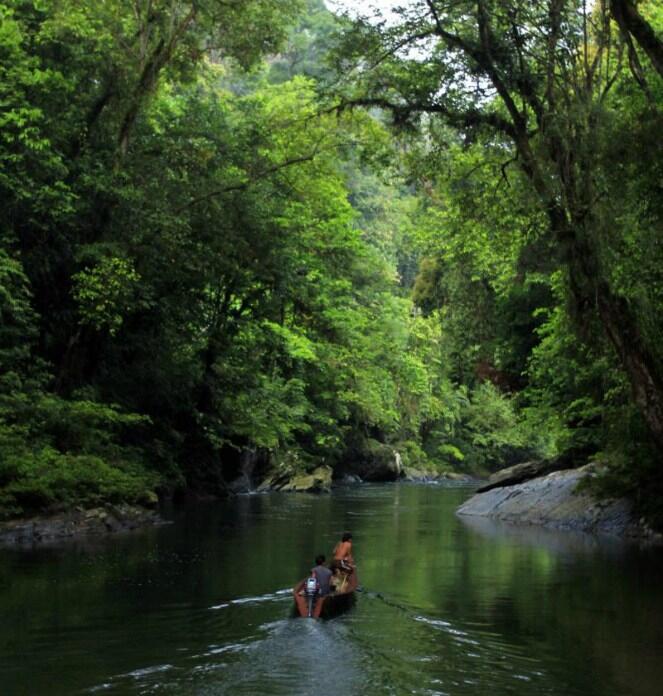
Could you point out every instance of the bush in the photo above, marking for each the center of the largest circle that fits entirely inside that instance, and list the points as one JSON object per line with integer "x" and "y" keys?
{"x": 412, "y": 455}
{"x": 49, "y": 480}
{"x": 56, "y": 454}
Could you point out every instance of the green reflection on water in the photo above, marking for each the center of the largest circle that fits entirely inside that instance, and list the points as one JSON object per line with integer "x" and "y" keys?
{"x": 449, "y": 606}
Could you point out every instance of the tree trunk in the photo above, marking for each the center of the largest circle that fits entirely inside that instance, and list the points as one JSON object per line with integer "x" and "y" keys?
{"x": 638, "y": 362}
{"x": 593, "y": 294}
{"x": 632, "y": 23}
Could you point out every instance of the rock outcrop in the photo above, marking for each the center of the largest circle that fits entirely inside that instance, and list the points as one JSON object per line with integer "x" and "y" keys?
{"x": 432, "y": 476}
{"x": 78, "y": 523}
{"x": 553, "y": 501}
{"x": 375, "y": 461}
{"x": 317, "y": 481}
{"x": 519, "y": 473}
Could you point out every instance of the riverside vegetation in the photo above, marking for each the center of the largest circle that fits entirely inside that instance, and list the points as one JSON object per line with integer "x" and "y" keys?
{"x": 264, "y": 227}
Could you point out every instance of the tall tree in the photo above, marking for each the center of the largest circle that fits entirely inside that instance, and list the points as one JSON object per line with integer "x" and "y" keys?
{"x": 633, "y": 24}
{"x": 536, "y": 76}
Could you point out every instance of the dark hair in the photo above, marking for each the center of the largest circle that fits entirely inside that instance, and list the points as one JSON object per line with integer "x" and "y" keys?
{"x": 346, "y": 537}
{"x": 319, "y": 560}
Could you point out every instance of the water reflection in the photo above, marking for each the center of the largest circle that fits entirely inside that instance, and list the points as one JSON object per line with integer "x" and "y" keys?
{"x": 449, "y": 607}
{"x": 541, "y": 537}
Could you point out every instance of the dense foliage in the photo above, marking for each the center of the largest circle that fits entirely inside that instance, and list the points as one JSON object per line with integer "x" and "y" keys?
{"x": 537, "y": 145}
{"x": 207, "y": 247}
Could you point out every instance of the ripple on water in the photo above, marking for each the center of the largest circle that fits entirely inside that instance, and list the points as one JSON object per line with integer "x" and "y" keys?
{"x": 269, "y": 597}
{"x": 445, "y": 657}
{"x": 290, "y": 657}
{"x": 194, "y": 609}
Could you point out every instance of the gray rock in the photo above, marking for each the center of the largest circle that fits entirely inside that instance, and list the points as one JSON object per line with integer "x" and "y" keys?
{"x": 250, "y": 468}
{"x": 274, "y": 482}
{"x": 242, "y": 484}
{"x": 348, "y": 480}
{"x": 458, "y": 477}
{"x": 525, "y": 471}
{"x": 552, "y": 501}
{"x": 410, "y": 473}
{"x": 77, "y": 523}
{"x": 433, "y": 476}
{"x": 318, "y": 481}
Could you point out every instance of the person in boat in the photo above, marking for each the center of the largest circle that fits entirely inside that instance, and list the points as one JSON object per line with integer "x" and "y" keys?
{"x": 343, "y": 553}
{"x": 323, "y": 575}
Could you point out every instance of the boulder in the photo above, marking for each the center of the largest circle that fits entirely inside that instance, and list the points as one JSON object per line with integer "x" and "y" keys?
{"x": 317, "y": 481}
{"x": 348, "y": 480}
{"x": 553, "y": 501}
{"x": 434, "y": 476}
{"x": 410, "y": 473}
{"x": 519, "y": 473}
{"x": 275, "y": 481}
{"x": 457, "y": 477}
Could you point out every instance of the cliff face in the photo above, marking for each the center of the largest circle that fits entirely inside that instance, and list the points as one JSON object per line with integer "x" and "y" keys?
{"x": 552, "y": 501}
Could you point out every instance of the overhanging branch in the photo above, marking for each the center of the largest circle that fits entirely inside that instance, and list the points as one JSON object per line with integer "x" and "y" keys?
{"x": 243, "y": 185}
{"x": 460, "y": 119}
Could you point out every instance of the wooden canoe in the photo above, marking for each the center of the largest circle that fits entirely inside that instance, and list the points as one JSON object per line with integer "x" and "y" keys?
{"x": 329, "y": 605}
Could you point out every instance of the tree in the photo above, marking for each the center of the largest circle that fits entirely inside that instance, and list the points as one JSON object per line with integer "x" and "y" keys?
{"x": 538, "y": 78}
{"x": 633, "y": 25}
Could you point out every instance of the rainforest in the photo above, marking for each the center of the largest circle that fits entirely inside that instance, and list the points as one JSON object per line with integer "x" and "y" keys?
{"x": 317, "y": 235}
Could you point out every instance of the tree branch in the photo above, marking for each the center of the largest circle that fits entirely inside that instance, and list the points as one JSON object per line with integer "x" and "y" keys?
{"x": 631, "y": 22}
{"x": 241, "y": 186}
{"x": 461, "y": 119}
{"x": 149, "y": 76}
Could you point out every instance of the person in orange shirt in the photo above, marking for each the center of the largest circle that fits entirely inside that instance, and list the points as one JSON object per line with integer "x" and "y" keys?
{"x": 343, "y": 552}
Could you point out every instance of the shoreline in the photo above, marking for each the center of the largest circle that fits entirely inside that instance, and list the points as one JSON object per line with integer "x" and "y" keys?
{"x": 553, "y": 502}
{"x": 106, "y": 520}
{"x": 97, "y": 522}
{"x": 546, "y": 502}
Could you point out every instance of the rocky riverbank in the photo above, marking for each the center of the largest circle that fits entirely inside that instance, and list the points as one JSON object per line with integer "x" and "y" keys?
{"x": 321, "y": 480}
{"x": 110, "y": 519}
{"x": 553, "y": 501}
{"x": 370, "y": 462}
{"x": 317, "y": 481}
{"x": 78, "y": 523}
{"x": 432, "y": 476}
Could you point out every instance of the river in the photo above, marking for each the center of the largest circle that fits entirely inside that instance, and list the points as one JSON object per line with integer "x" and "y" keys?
{"x": 203, "y": 606}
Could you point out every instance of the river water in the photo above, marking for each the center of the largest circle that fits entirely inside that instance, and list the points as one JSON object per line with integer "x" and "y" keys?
{"x": 203, "y": 606}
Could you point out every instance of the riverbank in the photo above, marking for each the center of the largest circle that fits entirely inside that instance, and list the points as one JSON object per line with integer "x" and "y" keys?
{"x": 554, "y": 501}
{"x": 110, "y": 519}
{"x": 99, "y": 521}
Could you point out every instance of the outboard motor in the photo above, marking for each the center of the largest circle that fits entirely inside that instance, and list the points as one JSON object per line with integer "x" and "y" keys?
{"x": 311, "y": 589}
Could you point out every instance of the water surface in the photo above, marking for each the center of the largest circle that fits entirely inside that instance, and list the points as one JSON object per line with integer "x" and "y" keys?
{"x": 449, "y": 606}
